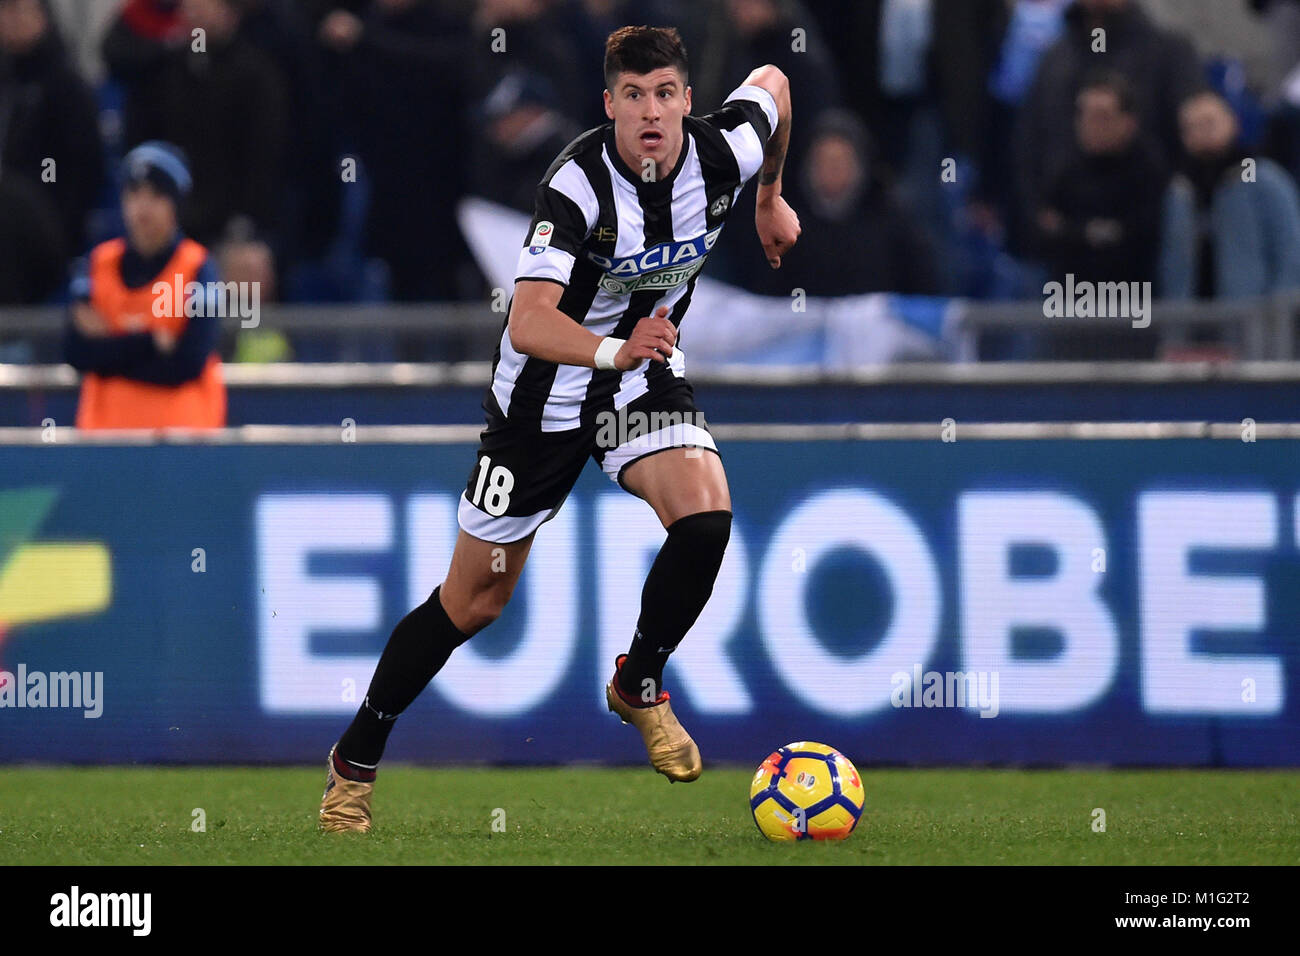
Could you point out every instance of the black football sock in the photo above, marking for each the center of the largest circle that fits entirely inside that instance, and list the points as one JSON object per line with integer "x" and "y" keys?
{"x": 676, "y": 590}
{"x": 419, "y": 646}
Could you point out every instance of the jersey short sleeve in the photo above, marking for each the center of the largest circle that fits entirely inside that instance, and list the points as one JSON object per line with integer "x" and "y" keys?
{"x": 564, "y": 215}
{"x": 746, "y": 120}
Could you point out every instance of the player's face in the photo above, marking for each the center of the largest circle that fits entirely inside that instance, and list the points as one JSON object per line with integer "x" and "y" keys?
{"x": 647, "y": 110}
{"x": 150, "y": 218}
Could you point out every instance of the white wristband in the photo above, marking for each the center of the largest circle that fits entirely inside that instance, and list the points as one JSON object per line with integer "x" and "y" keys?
{"x": 606, "y": 351}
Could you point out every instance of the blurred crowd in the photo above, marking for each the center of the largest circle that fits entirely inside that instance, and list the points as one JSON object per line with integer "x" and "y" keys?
{"x": 939, "y": 147}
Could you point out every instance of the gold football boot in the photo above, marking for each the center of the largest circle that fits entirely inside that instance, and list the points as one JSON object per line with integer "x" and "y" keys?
{"x": 345, "y": 805}
{"x": 672, "y": 751}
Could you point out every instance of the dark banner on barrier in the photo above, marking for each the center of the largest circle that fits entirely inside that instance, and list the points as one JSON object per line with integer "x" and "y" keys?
{"x": 1038, "y": 602}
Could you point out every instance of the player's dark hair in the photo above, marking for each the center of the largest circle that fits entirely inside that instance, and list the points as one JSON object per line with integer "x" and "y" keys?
{"x": 643, "y": 50}
{"x": 1116, "y": 84}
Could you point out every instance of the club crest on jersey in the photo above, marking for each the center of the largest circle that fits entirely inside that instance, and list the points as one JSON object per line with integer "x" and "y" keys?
{"x": 662, "y": 266}
{"x": 719, "y": 206}
{"x": 541, "y": 237}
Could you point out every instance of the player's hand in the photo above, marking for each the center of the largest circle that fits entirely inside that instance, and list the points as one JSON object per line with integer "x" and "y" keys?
{"x": 164, "y": 340}
{"x": 88, "y": 321}
{"x": 778, "y": 228}
{"x": 653, "y": 338}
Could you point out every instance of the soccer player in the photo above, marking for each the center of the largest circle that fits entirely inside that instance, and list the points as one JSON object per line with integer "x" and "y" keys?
{"x": 624, "y": 219}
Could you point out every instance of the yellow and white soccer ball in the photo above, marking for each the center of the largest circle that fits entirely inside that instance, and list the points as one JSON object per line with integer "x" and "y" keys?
{"x": 806, "y": 791}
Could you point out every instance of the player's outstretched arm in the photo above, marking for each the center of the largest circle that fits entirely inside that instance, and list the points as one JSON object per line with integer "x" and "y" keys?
{"x": 538, "y": 328}
{"x": 777, "y": 224}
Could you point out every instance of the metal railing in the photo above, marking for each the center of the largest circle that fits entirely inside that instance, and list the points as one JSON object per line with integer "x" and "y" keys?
{"x": 469, "y": 434}
{"x": 343, "y": 375}
{"x": 1255, "y": 330}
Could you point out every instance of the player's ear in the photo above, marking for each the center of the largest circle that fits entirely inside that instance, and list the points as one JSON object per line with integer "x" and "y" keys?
{"x": 609, "y": 105}
{"x": 688, "y": 101}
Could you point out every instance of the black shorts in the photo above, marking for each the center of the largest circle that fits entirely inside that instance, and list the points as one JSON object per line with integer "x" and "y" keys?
{"x": 522, "y": 475}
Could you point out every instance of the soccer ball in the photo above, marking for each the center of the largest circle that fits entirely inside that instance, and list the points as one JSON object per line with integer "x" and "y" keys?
{"x": 806, "y": 791}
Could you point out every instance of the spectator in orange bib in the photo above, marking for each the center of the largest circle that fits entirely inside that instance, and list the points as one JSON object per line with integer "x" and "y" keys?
{"x": 145, "y": 318}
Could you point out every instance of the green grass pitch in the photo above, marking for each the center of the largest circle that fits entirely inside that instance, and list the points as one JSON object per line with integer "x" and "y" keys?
{"x": 86, "y": 816}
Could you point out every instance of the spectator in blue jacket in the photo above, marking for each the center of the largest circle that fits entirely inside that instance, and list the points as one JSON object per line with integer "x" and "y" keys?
{"x": 1231, "y": 221}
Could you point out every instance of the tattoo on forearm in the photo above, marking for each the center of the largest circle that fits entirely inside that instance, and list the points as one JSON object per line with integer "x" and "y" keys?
{"x": 774, "y": 153}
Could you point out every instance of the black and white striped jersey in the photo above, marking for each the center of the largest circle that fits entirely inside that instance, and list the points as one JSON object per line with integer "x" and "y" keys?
{"x": 621, "y": 247}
